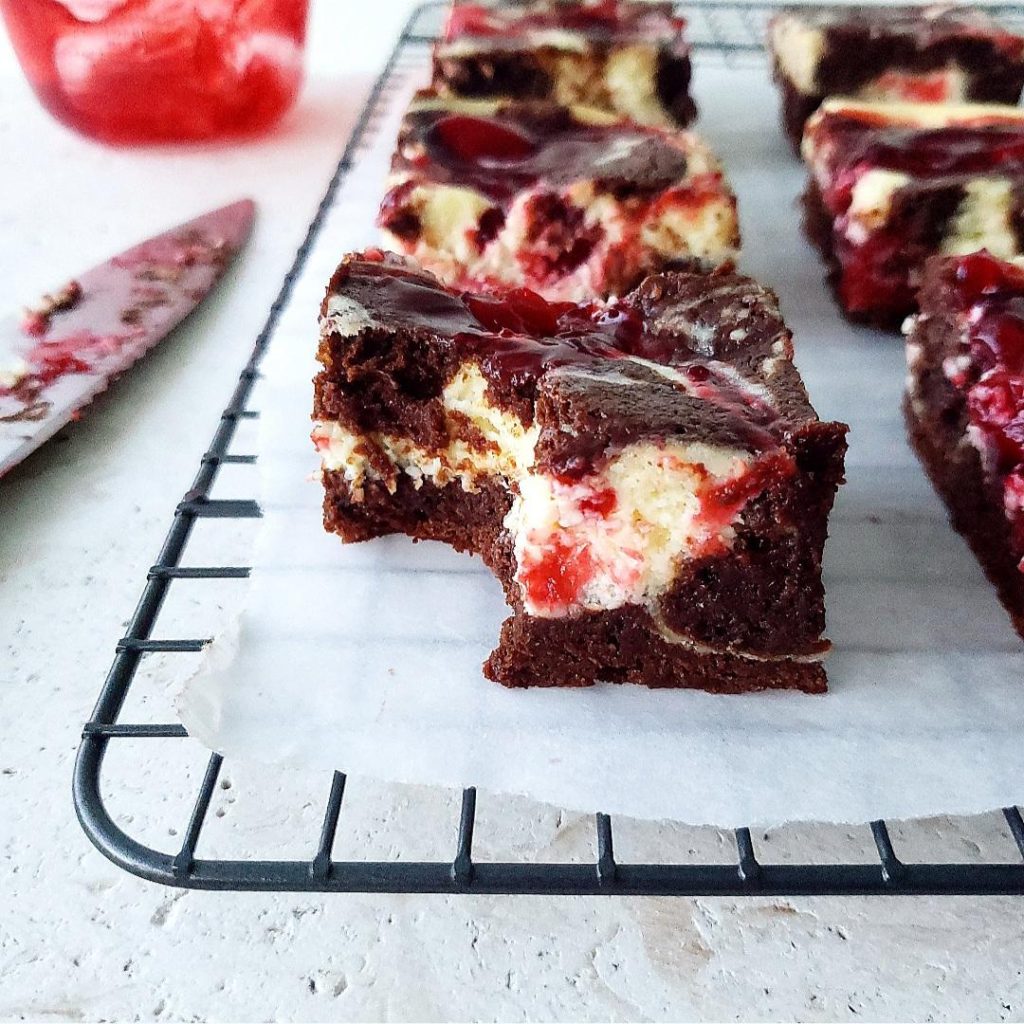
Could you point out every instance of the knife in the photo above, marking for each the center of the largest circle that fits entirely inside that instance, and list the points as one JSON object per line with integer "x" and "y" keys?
{"x": 66, "y": 348}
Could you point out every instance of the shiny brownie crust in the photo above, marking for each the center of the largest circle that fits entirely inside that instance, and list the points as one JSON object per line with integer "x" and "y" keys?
{"x": 936, "y": 416}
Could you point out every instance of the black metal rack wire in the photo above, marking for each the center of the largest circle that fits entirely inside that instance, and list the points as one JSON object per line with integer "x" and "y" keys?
{"x": 727, "y": 30}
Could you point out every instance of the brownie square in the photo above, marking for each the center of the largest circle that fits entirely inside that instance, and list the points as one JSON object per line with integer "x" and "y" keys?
{"x": 892, "y": 184}
{"x": 931, "y": 54}
{"x": 568, "y": 201}
{"x": 645, "y": 476}
{"x": 964, "y": 406}
{"x": 628, "y": 58}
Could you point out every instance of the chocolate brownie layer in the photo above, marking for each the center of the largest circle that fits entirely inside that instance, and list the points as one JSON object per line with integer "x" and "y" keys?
{"x": 623, "y": 646}
{"x": 796, "y": 107}
{"x": 929, "y": 54}
{"x": 468, "y": 521}
{"x": 955, "y": 471}
{"x": 568, "y": 201}
{"x": 953, "y": 378}
{"x": 655, "y": 455}
{"x": 629, "y": 59}
{"x": 892, "y": 184}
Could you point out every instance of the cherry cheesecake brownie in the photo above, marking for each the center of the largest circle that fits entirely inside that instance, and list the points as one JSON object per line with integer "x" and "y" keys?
{"x": 645, "y": 475}
{"x": 965, "y": 407}
{"x": 926, "y": 54}
{"x": 628, "y": 58}
{"x": 892, "y": 184}
{"x": 567, "y": 201}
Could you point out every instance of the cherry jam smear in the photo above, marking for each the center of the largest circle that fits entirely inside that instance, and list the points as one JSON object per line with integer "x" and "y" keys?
{"x": 991, "y": 294}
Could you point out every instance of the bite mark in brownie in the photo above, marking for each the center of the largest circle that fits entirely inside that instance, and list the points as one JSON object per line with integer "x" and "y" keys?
{"x": 965, "y": 407}
{"x": 631, "y": 60}
{"x": 645, "y": 476}
{"x": 569, "y": 202}
{"x": 935, "y": 54}
{"x": 892, "y": 184}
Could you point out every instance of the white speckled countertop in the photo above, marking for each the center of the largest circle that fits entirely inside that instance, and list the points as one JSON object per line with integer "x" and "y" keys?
{"x": 81, "y": 522}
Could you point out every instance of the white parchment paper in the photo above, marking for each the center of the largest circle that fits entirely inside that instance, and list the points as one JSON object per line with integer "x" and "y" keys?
{"x": 367, "y": 658}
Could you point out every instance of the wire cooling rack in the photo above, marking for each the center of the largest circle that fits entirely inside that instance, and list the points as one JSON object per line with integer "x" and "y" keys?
{"x": 727, "y": 31}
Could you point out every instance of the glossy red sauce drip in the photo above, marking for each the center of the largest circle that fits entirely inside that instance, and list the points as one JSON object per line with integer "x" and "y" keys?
{"x": 146, "y": 71}
{"x": 503, "y": 154}
{"x": 523, "y": 334}
{"x": 517, "y": 335}
{"x": 520, "y": 311}
{"x": 980, "y": 275}
{"x": 992, "y": 295}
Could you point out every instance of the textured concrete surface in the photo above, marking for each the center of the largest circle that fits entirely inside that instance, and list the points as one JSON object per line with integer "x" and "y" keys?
{"x": 82, "y": 521}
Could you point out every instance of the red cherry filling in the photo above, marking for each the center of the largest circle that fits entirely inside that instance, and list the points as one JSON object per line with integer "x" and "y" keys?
{"x": 555, "y": 573}
{"x": 519, "y": 311}
{"x": 992, "y": 293}
{"x": 396, "y": 216}
{"x": 996, "y": 405}
{"x": 517, "y": 335}
{"x": 997, "y": 339}
{"x": 557, "y": 577}
{"x": 933, "y": 88}
{"x": 480, "y": 138}
{"x": 601, "y": 501}
{"x": 721, "y": 503}
{"x": 980, "y": 273}
{"x": 876, "y": 274}
{"x": 977, "y": 275}
{"x": 558, "y": 239}
{"x": 865, "y": 141}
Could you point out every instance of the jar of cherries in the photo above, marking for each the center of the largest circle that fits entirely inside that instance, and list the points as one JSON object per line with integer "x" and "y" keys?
{"x": 135, "y": 71}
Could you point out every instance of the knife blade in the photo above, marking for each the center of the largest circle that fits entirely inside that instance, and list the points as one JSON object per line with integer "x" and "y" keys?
{"x": 66, "y": 348}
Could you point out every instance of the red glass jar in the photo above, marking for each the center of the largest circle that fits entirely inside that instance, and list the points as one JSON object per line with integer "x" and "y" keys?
{"x": 130, "y": 71}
